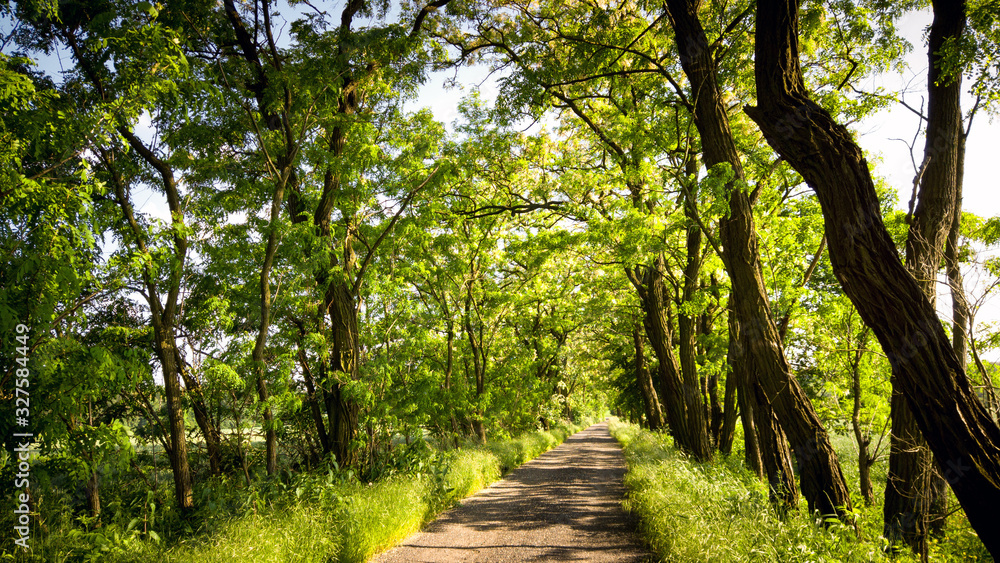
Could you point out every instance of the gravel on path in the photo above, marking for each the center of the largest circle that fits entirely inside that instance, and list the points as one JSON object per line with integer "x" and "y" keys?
{"x": 565, "y": 505}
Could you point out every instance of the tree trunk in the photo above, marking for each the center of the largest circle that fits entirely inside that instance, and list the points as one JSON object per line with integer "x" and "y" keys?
{"x": 478, "y": 359}
{"x": 163, "y": 314}
{"x": 775, "y": 455}
{"x": 312, "y": 400}
{"x": 681, "y": 396}
{"x": 93, "y": 493}
{"x": 741, "y": 380}
{"x": 651, "y": 402}
{"x": 203, "y": 418}
{"x": 765, "y": 444}
{"x": 908, "y": 489}
{"x": 953, "y": 265}
{"x": 865, "y": 459}
{"x": 915, "y": 494}
{"x": 823, "y": 484}
{"x": 165, "y": 344}
{"x": 257, "y": 356}
{"x": 727, "y": 432}
{"x": 729, "y": 411}
{"x": 964, "y": 439}
{"x": 343, "y": 370}
{"x": 687, "y": 323}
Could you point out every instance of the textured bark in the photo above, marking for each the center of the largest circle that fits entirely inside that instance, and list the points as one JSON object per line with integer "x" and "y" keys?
{"x": 953, "y": 266}
{"x": 775, "y": 455}
{"x": 909, "y": 487}
{"x": 916, "y": 494}
{"x": 823, "y": 484}
{"x": 681, "y": 396}
{"x": 650, "y": 400}
{"x": 964, "y": 439}
{"x": 344, "y": 357}
{"x": 766, "y": 446}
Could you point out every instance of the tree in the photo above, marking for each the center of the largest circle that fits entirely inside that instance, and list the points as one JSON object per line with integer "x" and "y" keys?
{"x": 915, "y": 495}
{"x": 964, "y": 439}
{"x": 821, "y": 479}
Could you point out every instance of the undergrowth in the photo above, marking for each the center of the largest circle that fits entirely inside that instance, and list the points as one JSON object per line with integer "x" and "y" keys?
{"x": 316, "y": 517}
{"x": 719, "y": 511}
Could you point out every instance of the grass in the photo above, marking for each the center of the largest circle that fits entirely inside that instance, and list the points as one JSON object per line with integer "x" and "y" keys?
{"x": 513, "y": 453}
{"x": 719, "y": 511}
{"x": 272, "y": 536}
{"x": 303, "y": 518}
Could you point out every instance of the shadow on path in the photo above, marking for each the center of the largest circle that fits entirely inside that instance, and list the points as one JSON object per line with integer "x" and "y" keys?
{"x": 565, "y": 505}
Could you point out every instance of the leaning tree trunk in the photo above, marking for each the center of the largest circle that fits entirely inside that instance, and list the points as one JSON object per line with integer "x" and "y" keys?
{"x": 313, "y": 401}
{"x": 964, "y": 439}
{"x": 260, "y": 344}
{"x": 202, "y": 416}
{"x": 915, "y": 493}
{"x": 165, "y": 344}
{"x": 822, "y": 482}
{"x": 163, "y": 315}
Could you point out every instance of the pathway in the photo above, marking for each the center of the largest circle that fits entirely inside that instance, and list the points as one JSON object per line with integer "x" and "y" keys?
{"x": 564, "y": 505}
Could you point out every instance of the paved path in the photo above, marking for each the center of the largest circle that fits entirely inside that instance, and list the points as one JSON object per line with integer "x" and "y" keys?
{"x": 565, "y": 505}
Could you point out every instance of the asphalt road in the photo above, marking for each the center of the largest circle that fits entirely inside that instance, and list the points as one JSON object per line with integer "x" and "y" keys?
{"x": 564, "y": 505}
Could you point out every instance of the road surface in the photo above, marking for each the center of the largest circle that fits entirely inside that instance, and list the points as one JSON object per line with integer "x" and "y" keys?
{"x": 564, "y": 505}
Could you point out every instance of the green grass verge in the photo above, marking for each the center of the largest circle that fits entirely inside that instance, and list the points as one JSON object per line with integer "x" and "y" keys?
{"x": 719, "y": 511}
{"x": 310, "y": 518}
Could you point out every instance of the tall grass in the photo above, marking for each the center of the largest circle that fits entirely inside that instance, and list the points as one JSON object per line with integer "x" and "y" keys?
{"x": 305, "y": 518}
{"x": 719, "y": 511}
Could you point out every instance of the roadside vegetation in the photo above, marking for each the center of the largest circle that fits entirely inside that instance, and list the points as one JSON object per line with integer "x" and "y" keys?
{"x": 691, "y": 511}
{"x": 325, "y": 515}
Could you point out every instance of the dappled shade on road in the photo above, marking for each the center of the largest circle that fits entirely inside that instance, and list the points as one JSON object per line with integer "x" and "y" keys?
{"x": 563, "y": 506}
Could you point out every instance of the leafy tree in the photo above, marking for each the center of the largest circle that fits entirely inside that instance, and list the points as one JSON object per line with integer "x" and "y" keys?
{"x": 866, "y": 263}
